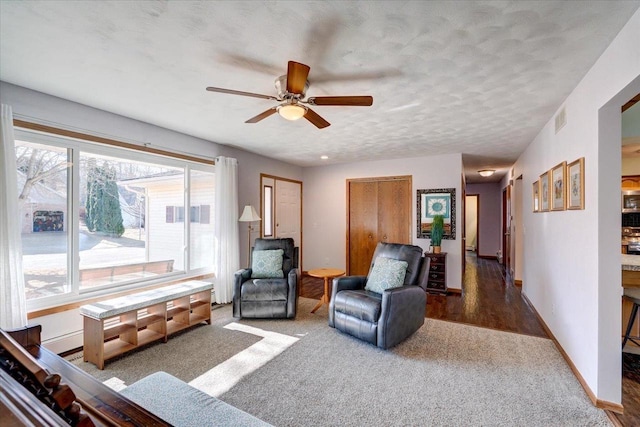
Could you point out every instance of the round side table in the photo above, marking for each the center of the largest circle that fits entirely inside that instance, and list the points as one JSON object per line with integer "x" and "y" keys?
{"x": 326, "y": 274}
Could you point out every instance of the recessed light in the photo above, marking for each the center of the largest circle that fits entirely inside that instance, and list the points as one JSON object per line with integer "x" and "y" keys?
{"x": 324, "y": 157}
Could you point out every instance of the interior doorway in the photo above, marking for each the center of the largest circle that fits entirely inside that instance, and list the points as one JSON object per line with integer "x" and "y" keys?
{"x": 630, "y": 170}
{"x": 472, "y": 222}
{"x": 506, "y": 228}
{"x": 281, "y": 209}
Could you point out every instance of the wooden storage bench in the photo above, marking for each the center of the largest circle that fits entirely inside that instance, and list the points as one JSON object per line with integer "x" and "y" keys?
{"x": 118, "y": 325}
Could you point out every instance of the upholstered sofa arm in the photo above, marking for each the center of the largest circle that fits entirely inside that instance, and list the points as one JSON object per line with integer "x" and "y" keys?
{"x": 347, "y": 283}
{"x": 238, "y": 278}
{"x": 292, "y": 298}
{"x": 344, "y": 283}
{"x": 403, "y": 310}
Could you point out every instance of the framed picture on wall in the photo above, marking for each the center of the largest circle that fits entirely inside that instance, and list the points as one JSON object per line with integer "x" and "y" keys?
{"x": 544, "y": 192}
{"x": 575, "y": 184}
{"x": 536, "y": 196}
{"x": 440, "y": 201}
{"x": 557, "y": 186}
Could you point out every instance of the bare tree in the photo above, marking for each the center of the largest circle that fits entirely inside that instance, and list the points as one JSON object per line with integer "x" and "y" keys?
{"x": 39, "y": 166}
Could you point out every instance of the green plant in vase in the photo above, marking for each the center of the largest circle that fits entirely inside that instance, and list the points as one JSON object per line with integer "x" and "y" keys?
{"x": 437, "y": 231}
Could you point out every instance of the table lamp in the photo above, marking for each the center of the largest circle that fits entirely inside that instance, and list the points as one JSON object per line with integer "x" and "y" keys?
{"x": 249, "y": 215}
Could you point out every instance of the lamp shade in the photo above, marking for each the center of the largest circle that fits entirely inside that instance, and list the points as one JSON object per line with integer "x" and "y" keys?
{"x": 486, "y": 172}
{"x": 249, "y": 214}
{"x": 292, "y": 111}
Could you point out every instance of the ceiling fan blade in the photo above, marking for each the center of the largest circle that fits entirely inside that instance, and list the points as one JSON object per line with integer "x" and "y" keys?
{"x": 296, "y": 77}
{"x": 358, "y": 101}
{"x": 238, "y": 92}
{"x": 314, "y": 118}
{"x": 262, "y": 115}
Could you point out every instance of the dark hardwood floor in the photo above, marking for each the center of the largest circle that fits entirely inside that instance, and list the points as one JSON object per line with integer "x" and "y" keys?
{"x": 489, "y": 300}
{"x": 630, "y": 390}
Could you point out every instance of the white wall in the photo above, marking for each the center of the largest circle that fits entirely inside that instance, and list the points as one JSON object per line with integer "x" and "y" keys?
{"x": 471, "y": 222}
{"x": 325, "y": 206}
{"x": 490, "y": 204}
{"x": 41, "y": 108}
{"x": 572, "y": 258}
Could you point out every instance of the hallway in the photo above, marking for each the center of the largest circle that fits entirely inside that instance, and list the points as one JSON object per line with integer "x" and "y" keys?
{"x": 487, "y": 300}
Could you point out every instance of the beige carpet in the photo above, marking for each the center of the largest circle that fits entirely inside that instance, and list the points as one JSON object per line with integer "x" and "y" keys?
{"x": 446, "y": 374}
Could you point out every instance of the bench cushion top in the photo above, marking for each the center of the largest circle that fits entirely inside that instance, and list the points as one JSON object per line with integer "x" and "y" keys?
{"x": 183, "y": 405}
{"x": 116, "y": 306}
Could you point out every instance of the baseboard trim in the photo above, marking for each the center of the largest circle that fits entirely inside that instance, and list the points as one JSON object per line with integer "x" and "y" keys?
{"x": 64, "y": 343}
{"x": 488, "y": 257}
{"x": 609, "y": 406}
{"x": 454, "y": 291}
{"x": 598, "y": 403}
{"x": 613, "y": 418}
{"x": 518, "y": 283}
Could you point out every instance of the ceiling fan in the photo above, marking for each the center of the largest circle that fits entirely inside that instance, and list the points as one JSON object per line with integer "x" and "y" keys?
{"x": 292, "y": 88}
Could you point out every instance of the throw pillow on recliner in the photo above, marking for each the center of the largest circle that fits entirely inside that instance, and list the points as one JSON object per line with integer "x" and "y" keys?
{"x": 387, "y": 273}
{"x": 267, "y": 264}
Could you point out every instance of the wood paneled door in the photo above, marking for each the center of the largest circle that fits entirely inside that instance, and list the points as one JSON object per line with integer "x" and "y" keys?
{"x": 281, "y": 209}
{"x": 378, "y": 210}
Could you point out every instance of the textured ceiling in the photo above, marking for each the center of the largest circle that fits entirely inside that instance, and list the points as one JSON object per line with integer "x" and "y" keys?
{"x": 477, "y": 78}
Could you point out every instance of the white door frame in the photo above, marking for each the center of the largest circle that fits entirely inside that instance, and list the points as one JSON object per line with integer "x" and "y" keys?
{"x": 267, "y": 180}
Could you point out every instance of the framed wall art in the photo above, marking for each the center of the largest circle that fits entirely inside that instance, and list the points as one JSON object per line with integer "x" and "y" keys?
{"x": 557, "y": 186}
{"x": 544, "y": 192}
{"x": 536, "y": 196}
{"x": 440, "y": 201}
{"x": 575, "y": 184}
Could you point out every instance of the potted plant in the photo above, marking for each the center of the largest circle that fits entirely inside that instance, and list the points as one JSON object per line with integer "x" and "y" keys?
{"x": 437, "y": 231}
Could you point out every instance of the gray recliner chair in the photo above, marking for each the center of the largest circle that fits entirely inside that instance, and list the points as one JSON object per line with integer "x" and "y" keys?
{"x": 387, "y": 318}
{"x": 261, "y": 296}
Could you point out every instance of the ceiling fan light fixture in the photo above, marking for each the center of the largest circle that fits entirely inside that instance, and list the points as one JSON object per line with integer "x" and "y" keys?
{"x": 486, "y": 172}
{"x": 292, "y": 111}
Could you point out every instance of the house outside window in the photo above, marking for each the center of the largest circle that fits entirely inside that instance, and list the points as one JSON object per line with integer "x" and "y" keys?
{"x": 96, "y": 218}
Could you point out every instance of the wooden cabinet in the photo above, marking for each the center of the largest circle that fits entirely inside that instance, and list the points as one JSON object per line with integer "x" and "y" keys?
{"x": 437, "y": 274}
{"x": 631, "y": 181}
{"x": 109, "y": 336}
{"x": 379, "y": 210}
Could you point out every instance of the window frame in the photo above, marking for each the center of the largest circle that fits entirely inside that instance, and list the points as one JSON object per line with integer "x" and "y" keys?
{"x": 75, "y": 147}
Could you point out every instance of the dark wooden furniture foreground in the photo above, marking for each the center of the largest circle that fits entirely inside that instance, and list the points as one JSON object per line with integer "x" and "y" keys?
{"x": 40, "y": 388}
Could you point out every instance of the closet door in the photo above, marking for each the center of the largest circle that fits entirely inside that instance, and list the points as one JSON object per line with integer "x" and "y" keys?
{"x": 394, "y": 211}
{"x": 362, "y": 225}
{"x": 379, "y": 211}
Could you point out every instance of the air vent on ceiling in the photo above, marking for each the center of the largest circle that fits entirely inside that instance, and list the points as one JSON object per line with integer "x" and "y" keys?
{"x": 561, "y": 119}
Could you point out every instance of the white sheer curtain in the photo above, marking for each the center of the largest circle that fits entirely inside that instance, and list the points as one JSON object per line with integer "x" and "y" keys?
{"x": 227, "y": 249}
{"x": 13, "y": 305}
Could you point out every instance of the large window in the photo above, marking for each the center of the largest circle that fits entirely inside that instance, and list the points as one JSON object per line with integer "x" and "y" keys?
{"x": 42, "y": 196}
{"x": 97, "y": 218}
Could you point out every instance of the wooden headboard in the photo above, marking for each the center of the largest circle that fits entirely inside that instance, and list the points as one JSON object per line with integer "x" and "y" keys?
{"x": 41, "y": 388}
